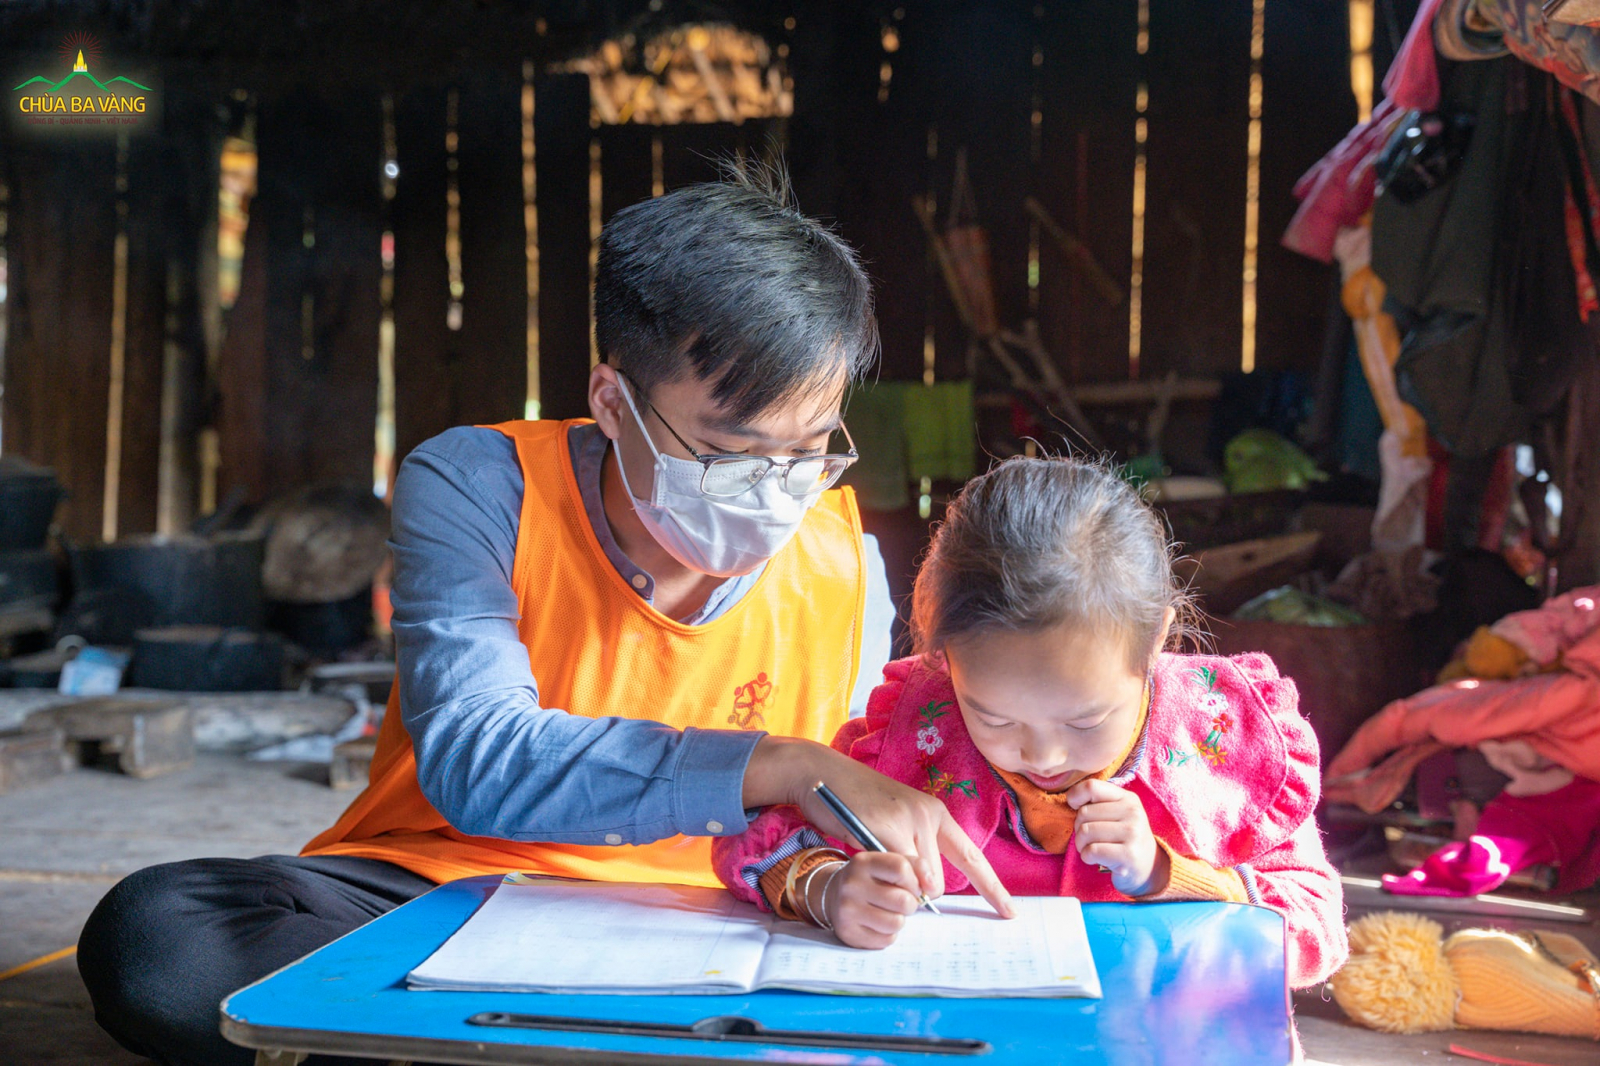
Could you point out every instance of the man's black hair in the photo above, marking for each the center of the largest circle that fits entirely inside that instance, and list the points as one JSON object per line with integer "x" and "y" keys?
{"x": 730, "y": 282}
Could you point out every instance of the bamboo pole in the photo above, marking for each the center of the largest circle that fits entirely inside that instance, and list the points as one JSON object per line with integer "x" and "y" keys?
{"x": 1076, "y": 252}
{"x": 1054, "y": 388}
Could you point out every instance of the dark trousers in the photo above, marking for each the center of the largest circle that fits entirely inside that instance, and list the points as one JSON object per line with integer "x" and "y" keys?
{"x": 169, "y": 943}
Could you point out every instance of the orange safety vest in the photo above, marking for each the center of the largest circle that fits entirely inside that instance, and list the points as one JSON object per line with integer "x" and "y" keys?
{"x": 783, "y": 659}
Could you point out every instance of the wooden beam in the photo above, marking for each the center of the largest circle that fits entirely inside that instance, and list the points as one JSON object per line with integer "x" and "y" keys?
{"x": 1112, "y": 393}
{"x": 1076, "y": 251}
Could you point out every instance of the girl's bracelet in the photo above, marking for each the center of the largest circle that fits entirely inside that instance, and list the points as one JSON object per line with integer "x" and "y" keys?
{"x": 827, "y": 922}
{"x": 789, "y": 894}
{"x": 805, "y": 894}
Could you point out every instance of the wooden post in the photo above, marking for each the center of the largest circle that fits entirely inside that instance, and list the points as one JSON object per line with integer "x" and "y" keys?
{"x": 491, "y": 351}
{"x": 144, "y": 349}
{"x": 1089, "y": 83}
{"x": 882, "y": 153}
{"x": 691, "y": 152}
{"x": 1309, "y": 106}
{"x": 979, "y": 76}
{"x": 1195, "y": 196}
{"x": 1579, "y": 562}
{"x": 172, "y": 183}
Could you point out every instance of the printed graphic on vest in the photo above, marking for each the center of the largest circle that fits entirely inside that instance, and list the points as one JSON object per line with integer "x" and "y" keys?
{"x": 79, "y": 97}
{"x": 749, "y": 703}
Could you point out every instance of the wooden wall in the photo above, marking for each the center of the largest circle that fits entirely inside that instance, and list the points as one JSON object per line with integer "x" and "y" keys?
{"x": 298, "y": 374}
{"x": 294, "y": 399}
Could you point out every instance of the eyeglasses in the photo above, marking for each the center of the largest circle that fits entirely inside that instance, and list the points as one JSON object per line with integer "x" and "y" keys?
{"x": 726, "y": 476}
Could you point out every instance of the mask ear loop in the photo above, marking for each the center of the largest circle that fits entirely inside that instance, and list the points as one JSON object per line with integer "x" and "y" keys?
{"x": 627, "y": 397}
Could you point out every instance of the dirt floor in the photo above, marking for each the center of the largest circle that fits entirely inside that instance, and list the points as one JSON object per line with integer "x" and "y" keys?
{"x": 66, "y": 841}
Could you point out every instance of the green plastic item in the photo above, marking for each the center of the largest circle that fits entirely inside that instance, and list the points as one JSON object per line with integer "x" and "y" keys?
{"x": 1259, "y": 460}
{"x": 1289, "y": 606}
{"x": 1143, "y": 469}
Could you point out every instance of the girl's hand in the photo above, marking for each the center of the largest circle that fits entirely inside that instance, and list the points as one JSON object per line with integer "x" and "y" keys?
{"x": 1113, "y": 833}
{"x": 867, "y": 898}
{"x": 909, "y": 823}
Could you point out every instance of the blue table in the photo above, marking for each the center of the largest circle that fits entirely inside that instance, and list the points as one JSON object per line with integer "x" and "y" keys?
{"x": 1185, "y": 983}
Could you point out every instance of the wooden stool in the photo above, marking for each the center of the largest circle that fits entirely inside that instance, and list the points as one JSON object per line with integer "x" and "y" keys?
{"x": 351, "y": 762}
{"x": 31, "y": 755}
{"x": 148, "y": 737}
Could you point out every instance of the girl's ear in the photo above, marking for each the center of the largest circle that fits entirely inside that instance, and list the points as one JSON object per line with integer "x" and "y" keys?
{"x": 1167, "y": 619}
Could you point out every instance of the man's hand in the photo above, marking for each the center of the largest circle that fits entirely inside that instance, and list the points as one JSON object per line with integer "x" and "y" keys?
{"x": 1113, "y": 833}
{"x": 909, "y": 823}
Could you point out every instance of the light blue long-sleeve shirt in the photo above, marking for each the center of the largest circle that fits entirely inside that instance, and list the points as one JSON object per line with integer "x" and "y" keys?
{"x": 490, "y": 758}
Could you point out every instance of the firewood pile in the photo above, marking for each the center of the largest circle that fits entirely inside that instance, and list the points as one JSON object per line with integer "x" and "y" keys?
{"x": 701, "y": 73}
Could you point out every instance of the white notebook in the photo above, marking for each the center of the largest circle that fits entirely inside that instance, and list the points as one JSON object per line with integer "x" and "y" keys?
{"x": 554, "y": 935}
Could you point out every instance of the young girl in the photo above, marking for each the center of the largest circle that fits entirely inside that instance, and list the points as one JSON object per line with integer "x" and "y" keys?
{"x": 1081, "y": 757}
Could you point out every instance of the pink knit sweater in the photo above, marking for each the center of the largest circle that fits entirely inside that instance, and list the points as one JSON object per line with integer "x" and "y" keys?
{"x": 1227, "y": 770}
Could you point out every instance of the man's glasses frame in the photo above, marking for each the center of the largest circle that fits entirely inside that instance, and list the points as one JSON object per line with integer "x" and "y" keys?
{"x": 729, "y": 476}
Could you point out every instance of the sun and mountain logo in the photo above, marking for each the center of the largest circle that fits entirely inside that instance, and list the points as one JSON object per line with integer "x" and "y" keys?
{"x": 80, "y": 98}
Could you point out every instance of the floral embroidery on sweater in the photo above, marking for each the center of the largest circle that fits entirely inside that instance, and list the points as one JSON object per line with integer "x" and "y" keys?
{"x": 1210, "y": 749}
{"x": 929, "y": 741}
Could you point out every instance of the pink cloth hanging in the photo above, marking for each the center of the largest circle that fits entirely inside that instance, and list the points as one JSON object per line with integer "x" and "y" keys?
{"x": 1413, "y": 78}
{"x": 1342, "y": 186}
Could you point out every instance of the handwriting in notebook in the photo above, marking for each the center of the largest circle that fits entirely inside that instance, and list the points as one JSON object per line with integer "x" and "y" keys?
{"x": 549, "y": 935}
{"x": 966, "y": 947}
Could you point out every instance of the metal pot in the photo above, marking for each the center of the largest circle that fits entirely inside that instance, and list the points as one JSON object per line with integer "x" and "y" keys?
{"x": 28, "y": 579}
{"x": 207, "y": 659}
{"x": 187, "y": 580}
{"x": 28, "y": 498}
{"x": 324, "y": 629}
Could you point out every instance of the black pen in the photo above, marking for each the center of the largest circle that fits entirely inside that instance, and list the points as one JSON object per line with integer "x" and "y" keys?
{"x": 862, "y": 834}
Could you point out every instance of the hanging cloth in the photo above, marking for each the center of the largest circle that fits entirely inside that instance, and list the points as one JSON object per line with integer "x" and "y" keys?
{"x": 968, "y": 243}
{"x": 877, "y": 417}
{"x": 941, "y": 439}
{"x": 1582, "y": 222}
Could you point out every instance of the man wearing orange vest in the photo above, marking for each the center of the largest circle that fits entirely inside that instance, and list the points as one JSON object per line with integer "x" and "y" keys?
{"x": 616, "y": 638}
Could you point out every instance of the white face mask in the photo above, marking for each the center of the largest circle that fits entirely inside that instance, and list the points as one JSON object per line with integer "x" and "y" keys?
{"x": 720, "y": 536}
